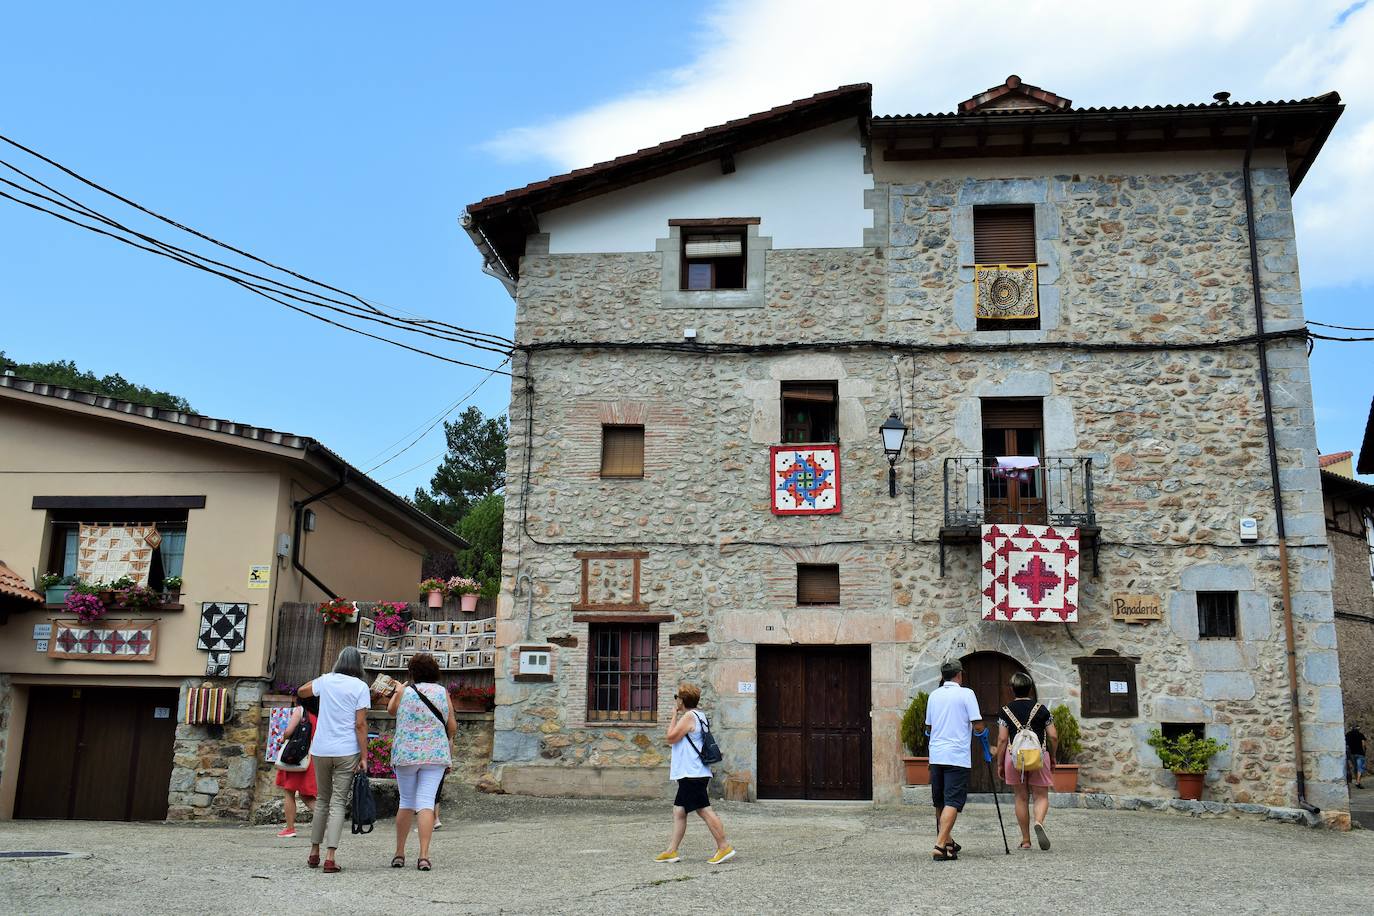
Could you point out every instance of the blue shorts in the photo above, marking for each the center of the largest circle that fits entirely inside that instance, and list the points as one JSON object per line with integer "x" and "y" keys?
{"x": 1357, "y": 761}
{"x": 948, "y": 786}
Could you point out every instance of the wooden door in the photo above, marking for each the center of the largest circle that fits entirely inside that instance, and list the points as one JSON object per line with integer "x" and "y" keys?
{"x": 97, "y": 753}
{"x": 988, "y": 675}
{"x": 1013, "y": 427}
{"x": 814, "y": 728}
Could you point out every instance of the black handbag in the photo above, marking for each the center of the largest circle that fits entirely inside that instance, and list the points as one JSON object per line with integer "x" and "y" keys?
{"x": 297, "y": 746}
{"x": 709, "y": 752}
{"x": 364, "y": 805}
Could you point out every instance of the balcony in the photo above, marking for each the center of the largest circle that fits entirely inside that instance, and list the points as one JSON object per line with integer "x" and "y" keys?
{"x": 1055, "y": 491}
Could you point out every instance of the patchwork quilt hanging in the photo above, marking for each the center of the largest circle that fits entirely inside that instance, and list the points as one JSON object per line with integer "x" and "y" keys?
{"x": 276, "y": 732}
{"x": 804, "y": 479}
{"x": 217, "y": 664}
{"x": 1004, "y": 292}
{"x": 116, "y": 641}
{"x": 1030, "y": 572}
{"x": 444, "y": 639}
{"x": 105, "y": 553}
{"x": 223, "y": 626}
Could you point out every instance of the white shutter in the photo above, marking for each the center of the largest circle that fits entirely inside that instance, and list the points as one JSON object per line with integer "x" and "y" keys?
{"x": 713, "y": 246}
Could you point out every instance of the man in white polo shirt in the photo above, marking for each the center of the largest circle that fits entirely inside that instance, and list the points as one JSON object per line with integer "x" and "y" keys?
{"x": 953, "y": 718}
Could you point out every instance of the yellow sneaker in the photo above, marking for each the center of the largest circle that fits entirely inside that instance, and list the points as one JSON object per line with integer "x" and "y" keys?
{"x": 721, "y": 855}
{"x": 669, "y": 856}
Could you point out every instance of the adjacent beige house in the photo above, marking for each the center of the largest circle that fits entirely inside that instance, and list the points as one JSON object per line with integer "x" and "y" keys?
{"x": 245, "y": 516}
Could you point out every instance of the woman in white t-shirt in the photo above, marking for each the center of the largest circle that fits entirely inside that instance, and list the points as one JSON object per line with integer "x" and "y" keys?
{"x": 692, "y": 776}
{"x": 338, "y": 748}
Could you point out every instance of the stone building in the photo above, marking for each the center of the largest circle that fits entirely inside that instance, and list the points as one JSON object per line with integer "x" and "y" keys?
{"x": 1058, "y": 305}
{"x": 1349, "y": 505}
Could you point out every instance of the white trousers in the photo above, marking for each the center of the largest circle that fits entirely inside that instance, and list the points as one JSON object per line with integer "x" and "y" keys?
{"x": 418, "y": 785}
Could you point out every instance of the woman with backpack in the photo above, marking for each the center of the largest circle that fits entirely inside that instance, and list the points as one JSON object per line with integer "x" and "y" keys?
{"x": 338, "y": 749}
{"x": 1026, "y": 740}
{"x": 686, "y": 731}
{"x": 420, "y": 752}
{"x": 299, "y": 783}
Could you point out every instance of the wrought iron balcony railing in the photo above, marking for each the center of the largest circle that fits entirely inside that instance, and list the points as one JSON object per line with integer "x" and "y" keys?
{"x": 1057, "y": 491}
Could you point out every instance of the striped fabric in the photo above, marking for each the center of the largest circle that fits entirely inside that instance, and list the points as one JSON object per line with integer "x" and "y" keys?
{"x": 207, "y": 705}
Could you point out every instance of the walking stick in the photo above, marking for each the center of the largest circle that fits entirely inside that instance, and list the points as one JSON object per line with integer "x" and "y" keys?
{"x": 987, "y": 759}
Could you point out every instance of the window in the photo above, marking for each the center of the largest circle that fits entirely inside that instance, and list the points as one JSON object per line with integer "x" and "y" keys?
{"x": 622, "y": 673}
{"x": 1216, "y": 615}
{"x": 818, "y": 583}
{"x": 1004, "y": 235}
{"x": 1175, "y": 730}
{"x": 713, "y": 259}
{"x": 167, "y": 558}
{"x": 622, "y": 451}
{"x": 809, "y": 412}
{"x": 1109, "y": 685}
{"x": 1014, "y": 428}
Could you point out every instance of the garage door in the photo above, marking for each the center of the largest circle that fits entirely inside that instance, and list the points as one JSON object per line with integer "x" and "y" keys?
{"x": 97, "y": 753}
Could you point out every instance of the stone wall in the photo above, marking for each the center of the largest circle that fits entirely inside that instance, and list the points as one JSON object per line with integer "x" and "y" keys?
{"x": 1354, "y": 598}
{"x": 1175, "y": 436}
{"x": 215, "y": 768}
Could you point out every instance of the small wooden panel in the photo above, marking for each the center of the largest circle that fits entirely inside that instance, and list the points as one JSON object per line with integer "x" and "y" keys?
{"x": 1136, "y": 608}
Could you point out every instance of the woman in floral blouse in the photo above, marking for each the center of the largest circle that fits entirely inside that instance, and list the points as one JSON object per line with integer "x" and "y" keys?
{"x": 420, "y": 752}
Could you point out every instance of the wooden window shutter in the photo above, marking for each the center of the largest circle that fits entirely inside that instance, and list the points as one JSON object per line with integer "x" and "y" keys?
{"x": 1004, "y": 235}
{"x": 622, "y": 451}
{"x": 818, "y": 583}
{"x": 1018, "y": 413}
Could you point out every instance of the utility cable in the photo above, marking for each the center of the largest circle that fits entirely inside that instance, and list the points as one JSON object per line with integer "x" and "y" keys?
{"x": 456, "y": 404}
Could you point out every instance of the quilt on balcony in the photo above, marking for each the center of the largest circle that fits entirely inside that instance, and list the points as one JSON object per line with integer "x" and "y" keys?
{"x": 1030, "y": 572}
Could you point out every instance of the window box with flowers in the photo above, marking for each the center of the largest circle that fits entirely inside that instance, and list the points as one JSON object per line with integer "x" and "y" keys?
{"x": 123, "y": 594}
{"x": 469, "y": 591}
{"x": 472, "y": 699}
{"x": 338, "y": 611}
{"x": 435, "y": 591}
{"x": 85, "y": 602}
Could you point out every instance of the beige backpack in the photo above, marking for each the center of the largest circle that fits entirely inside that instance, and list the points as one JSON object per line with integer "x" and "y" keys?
{"x": 1026, "y": 753}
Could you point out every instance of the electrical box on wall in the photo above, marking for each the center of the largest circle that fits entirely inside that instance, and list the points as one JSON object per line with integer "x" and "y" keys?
{"x": 1249, "y": 530}
{"x": 283, "y": 545}
{"x": 536, "y": 664}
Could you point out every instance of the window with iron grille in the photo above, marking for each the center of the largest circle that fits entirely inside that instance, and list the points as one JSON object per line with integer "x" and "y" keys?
{"x": 622, "y": 673}
{"x": 1216, "y": 615}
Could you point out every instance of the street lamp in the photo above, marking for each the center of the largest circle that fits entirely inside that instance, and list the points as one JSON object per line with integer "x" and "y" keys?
{"x": 894, "y": 434}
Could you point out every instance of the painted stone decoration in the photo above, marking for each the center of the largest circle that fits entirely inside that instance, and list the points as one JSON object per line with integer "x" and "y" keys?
{"x": 105, "y": 553}
{"x": 223, "y": 626}
{"x": 1030, "y": 572}
{"x": 130, "y": 641}
{"x": 805, "y": 480}
{"x": 1006, "y": 292}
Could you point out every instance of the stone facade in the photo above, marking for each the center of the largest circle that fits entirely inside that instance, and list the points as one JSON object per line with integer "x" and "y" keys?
{"x": 215, "y": 768}
{"x": 1147, "y": 258}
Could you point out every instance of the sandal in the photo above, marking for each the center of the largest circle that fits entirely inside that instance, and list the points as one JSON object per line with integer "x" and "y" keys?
{"x": 957, "y": 847}
{"x": 312, "y": 861}
{"x": 423, "y": 865}
{"x": 332, "y": 868}
{"x": 944, "y": 854}
{"x": 398, "y": 861}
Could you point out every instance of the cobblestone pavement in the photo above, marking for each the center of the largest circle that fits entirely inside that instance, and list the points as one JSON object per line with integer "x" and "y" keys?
{"x": 521, "y": 855}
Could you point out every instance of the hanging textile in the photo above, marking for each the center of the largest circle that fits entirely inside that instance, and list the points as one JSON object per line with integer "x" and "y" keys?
{"x": 1016, "y": 467}
{"x": 1005, "y": 292}
{"x": 208, "y": 705}
{"x": 1030, "y": 572}
{"x": 109, "y": 552}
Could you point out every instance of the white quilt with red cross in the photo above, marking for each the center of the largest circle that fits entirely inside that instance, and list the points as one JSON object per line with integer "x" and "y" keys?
{"x": 1030, "y": 572}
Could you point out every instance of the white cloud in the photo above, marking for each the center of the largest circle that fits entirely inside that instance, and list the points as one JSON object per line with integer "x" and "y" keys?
{"x": 928, "y": 56}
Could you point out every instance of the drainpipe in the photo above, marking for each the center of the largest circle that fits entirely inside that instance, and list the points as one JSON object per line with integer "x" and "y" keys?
{"x": 1285, "y": 584}
{"x": 299, "y": 507}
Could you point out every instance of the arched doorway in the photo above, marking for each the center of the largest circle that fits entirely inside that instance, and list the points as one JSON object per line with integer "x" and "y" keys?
{"x": 988, "y": 675}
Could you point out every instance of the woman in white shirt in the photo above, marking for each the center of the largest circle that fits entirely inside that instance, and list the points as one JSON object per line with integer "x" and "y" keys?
{"x": 692, "y": 776}
{"x": 338, "y": 748}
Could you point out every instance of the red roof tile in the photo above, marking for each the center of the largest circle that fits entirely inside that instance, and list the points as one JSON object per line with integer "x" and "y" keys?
{"x": 1325, "y": 461}
{"x": 14, "y": 585}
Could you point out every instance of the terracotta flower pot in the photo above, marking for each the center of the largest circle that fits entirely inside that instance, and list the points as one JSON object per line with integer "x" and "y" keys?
{"x": 917, "y": 770}
{"x": 1065, "y": 776}
{"x": 436, "y": 598}
{"x": 469, "y": 602}
{"x": 1189, "y": 785}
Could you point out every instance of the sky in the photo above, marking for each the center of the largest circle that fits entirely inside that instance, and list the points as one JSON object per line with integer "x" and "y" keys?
{"x": 343, "y": 140}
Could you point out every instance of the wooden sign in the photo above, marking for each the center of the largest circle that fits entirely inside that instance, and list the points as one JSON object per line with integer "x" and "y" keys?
{"x": 1136, "y": 608}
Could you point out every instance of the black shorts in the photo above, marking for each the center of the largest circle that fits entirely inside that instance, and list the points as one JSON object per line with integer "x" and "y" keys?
{"x": 948, "y": 786}
{"x": 691, "y": 793}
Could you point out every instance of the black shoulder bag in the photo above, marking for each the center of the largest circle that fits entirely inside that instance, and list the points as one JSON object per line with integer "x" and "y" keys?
{"x": 709, "y": 752}
{"x": 432, "y": 708}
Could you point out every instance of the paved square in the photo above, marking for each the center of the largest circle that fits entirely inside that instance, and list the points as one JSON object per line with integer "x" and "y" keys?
{"x": 521, "y": 855}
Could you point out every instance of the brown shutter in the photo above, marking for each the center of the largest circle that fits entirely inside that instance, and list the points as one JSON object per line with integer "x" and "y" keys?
{"x": 818, "y": 392}
{"x": 622, "y": 451}
{"x": 1004, "y": 235}
{"x": 1017, "y": 413}
{"x": 818, "y": 583}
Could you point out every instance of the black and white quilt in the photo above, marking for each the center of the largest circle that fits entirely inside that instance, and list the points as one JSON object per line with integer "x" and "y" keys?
{"x": 223, "y": 626}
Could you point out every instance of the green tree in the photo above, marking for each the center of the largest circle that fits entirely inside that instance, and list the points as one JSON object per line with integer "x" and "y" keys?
{"x": 66, "y": 374}
{"x": 481, "y": 528}
{"x": 473, "y": 469}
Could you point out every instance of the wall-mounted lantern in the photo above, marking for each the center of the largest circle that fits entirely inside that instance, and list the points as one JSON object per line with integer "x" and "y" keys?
{"x": 894, "y": 434}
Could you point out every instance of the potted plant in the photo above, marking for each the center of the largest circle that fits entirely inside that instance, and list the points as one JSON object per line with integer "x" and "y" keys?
{"x": 136, "y": 598}
{"x": 469, "y": 591}
{"x": 379, "y": 757}
{"x": 390, "y": 618}
{"x": 914, "y": 736}
{"x": 171, "y": 589}
{"x": 1188, "y": 756}
{"x": 435, "y": 591}
{"x": 55, "y": 588}
{"x": 338, "y": 611}
{"x": 1065, "y": 774}
{"x": 472, "y": 699}
{"x": 84, "y": 601}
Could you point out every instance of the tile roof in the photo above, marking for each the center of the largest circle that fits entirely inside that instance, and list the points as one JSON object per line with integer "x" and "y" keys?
{"x": 1013, "y": 86}
{"x": 1325, "y": 461}
{"x": 13, "y": 585}
{"x": 229, "y": 428}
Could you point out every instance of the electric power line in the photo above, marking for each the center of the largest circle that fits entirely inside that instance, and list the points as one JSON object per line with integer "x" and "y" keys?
{"x": 442, "y": 417}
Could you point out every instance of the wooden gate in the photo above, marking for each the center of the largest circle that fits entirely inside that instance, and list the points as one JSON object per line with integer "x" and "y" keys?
{"x": 814, "y": 728}
{"x": 97, "y": 753}
{"x": 988, "y": 675}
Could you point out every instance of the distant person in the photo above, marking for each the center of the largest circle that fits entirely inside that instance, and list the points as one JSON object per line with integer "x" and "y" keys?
{"x": 338, "y": 750}
{"x": 1354, "y": 753}
{"x": 299, "y": 784}
{"x": 1023, "y": 711}
{"x": 420, "y": 753}
{"x": 953, "y": 718}
{"x": 692, "y": 777}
